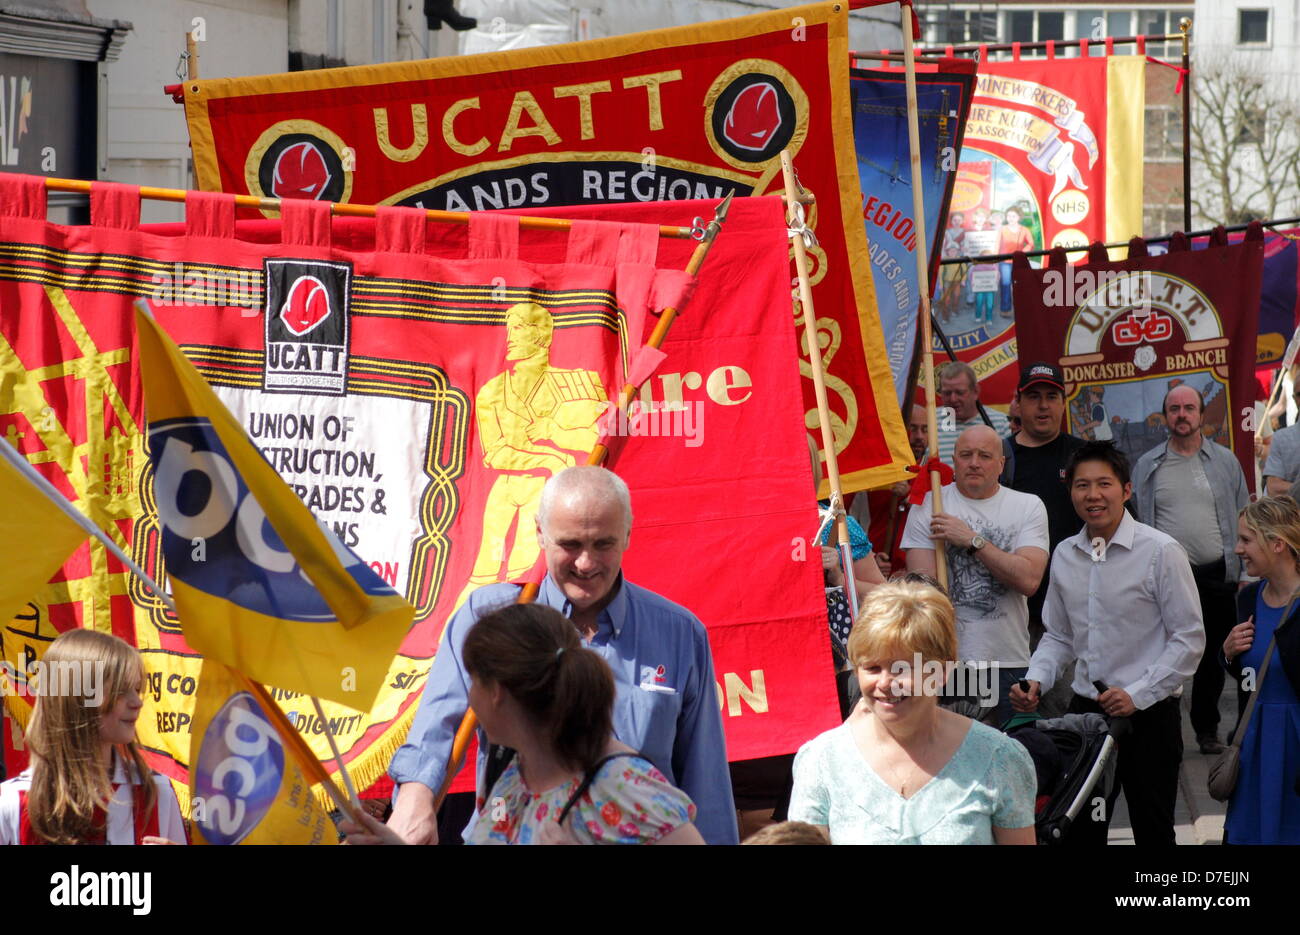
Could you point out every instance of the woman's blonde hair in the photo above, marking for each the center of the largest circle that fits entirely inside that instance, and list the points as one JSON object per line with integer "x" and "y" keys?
{"x": 69, "y": 777}
{"x": 904, "y": 616}
{"x": 1275, "y": 518}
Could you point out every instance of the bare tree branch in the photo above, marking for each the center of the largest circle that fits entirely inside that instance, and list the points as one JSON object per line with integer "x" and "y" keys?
{"x": 1245, "y": 147}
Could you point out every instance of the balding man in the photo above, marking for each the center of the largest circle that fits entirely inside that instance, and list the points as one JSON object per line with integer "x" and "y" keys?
{"x": 1192, "y": 489}
{"x": 666, "y": 705}
{"x": 996, "y": 542}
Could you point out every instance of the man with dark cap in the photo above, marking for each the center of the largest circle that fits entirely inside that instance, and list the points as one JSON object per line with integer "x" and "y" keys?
{"x": 1036, "y": 459}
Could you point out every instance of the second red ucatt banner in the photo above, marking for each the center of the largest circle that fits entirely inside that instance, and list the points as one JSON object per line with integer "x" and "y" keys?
{"x": 688, "y": 113}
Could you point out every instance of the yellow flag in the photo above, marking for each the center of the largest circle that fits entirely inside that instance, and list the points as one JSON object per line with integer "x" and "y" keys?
{"x": 37, "y": 534}
{"x": 259, "y": 585}
{"x": 245, "y": 787}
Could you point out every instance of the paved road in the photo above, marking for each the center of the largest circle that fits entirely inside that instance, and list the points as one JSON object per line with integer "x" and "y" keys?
{"x": 1198, "y": 819}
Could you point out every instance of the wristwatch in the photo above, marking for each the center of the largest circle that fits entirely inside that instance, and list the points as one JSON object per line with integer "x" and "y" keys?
{"x": 976, "y": 544}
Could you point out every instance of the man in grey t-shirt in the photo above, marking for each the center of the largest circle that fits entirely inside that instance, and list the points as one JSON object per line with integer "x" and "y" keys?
{"x": 1282, "y": 467}
{"x": 961, "y": 393}
{"x": 1192, "y": 489}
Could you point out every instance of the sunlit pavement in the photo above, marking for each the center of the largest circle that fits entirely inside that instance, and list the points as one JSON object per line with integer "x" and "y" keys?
{"x": 1198, "y": 819}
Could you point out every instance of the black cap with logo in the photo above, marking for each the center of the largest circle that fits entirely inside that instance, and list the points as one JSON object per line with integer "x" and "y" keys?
{"x": 1041, "y": 372}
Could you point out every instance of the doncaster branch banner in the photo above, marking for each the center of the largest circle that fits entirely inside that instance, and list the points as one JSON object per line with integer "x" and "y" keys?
{"x": 692, "y": 112}
{"x": 1052, "y": 157}
{"x": 415, "y": 384}
{"x": 884, "y": 169}
{"x": 1125, "y": 333}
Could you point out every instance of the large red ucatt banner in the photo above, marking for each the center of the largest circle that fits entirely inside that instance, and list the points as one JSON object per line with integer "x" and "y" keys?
{"x": 1125, "y": 333}
{"x": 693, "y": 112}
{"x": 415, "y": 384}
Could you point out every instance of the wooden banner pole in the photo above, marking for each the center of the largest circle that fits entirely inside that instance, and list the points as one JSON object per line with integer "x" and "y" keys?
{"x": 923, "y": 278}
{"x": 794, "y": 219}
{"x": 598, "y": 454}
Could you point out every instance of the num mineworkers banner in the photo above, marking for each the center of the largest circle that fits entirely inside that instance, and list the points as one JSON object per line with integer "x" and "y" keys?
{"x": 1052, "y": 158}
{"x": 1125, "y": 333}
{"x": 415, "y": 384}
{"x": 686, "y": 113}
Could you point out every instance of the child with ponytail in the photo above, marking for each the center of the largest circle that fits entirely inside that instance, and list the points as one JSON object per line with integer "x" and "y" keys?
{"x": 537, "y": 690}
{"x": 88, "y": 782}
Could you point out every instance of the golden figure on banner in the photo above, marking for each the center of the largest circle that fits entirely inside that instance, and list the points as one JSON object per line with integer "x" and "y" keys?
{"x": 534, "y": 420}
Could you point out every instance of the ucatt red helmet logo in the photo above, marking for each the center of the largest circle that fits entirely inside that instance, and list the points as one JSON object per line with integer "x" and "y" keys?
{"x": 307, "y": 305}
{"x": 1134, "y": 328}
{"x": 754, "y": 117}
{"x": 300, "y": 172}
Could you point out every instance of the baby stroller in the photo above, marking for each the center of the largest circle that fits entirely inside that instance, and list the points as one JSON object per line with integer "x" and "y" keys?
{"x": 1075, "y": 758}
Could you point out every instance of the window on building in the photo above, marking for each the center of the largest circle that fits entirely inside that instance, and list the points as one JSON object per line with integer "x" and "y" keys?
{"x": 1252, "y": 124}
{"x": 1162, "y": 219}
{"x": 1083, "y": 24}
{"x": 947, "y": 26}
{"x": 1119, "y": 24}
{"x": 1252, "y": 27}
{"x": 1163, "y": 128}
{"x": 1151, "y": 22}
{"x": 983, "y": 27}
{"x": 1051, "y": 26}
{"x": 1021, "y": 23}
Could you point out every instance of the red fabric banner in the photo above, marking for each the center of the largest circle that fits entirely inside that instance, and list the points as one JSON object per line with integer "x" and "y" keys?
{"x": 1125, "y": 333}
{"x": 414, "y": 383}
{"x": 687, "y": 113}
{"x": 1045, "y": 163}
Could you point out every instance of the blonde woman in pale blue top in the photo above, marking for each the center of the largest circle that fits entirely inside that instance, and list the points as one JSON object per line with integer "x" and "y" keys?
{"x": 902, "y": 770}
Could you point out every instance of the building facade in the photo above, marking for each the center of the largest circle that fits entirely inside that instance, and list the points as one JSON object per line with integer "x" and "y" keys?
{"x": 1246, "y": 143}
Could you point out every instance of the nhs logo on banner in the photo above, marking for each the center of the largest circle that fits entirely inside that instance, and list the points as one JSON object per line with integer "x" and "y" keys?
{"x": 238, "y": 772}
{"x": 216, "y": 537}
{"x": 307, "y": 305}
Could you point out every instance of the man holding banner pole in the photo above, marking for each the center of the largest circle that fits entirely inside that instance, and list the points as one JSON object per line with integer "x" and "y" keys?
{"x": 666, "y": 702}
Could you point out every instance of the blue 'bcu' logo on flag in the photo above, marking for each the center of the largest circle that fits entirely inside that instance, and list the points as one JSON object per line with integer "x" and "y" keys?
{"x": 238, "y": 773}
{"x": 215, "y": 535}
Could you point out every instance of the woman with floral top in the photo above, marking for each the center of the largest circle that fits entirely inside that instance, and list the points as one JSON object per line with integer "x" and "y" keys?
{"x": 537, "y": 690}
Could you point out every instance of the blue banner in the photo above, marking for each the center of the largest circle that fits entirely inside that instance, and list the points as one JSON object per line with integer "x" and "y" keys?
{"x": 885, "y": 171}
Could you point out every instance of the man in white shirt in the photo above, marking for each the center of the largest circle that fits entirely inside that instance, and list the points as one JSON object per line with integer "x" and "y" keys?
{"x": 1122, "y": 601}
{"x": 995, "y": 539}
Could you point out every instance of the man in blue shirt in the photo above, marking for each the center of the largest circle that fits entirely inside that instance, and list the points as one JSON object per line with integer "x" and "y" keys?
{"x": 666, "y": 705}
